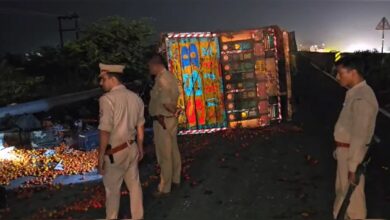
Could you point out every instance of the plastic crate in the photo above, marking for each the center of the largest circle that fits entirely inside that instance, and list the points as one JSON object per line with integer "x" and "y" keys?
{"x": 88, "y": 140}
{"x": 44, "y": 139}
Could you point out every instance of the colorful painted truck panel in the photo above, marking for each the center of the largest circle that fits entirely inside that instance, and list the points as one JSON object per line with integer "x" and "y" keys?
{"x": 231, "y": 79}
{"x": 194, "y": 59}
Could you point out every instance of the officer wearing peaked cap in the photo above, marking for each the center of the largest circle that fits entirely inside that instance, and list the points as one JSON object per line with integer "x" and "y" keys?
{"x": 121, "y": 128}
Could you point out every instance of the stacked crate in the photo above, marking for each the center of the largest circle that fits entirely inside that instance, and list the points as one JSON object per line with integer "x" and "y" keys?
{"x": 88, "y": 140}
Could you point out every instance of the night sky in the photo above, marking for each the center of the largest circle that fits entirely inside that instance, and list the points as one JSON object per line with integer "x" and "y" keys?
{"x": 345, "y": 25}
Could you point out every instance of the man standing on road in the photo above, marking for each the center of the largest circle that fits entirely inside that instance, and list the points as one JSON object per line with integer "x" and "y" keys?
{"x": 353, "y": 132}
{"x": 163, "y": 109}
{"x": 121, "y": 119}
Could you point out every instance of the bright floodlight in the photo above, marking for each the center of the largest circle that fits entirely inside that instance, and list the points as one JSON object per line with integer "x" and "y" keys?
{"x": 8, "y": 154}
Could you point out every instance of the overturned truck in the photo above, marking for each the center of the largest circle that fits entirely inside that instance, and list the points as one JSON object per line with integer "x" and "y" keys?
{"x": 231, "y": 79}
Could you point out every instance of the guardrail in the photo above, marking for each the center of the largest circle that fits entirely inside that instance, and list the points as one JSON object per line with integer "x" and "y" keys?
{"x": 46, "y": 104}
{"x": 43, "y": 105}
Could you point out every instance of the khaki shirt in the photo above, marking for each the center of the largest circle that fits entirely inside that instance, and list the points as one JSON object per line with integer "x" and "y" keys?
{"x": 164, "y": 91}
{"x": 356, "y": 122}
{"x": 121, "y": 111}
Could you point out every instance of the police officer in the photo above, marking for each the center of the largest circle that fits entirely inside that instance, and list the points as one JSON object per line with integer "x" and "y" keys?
{"x": 353, "y": 131}
{"x": 163, "y": 109}
{"x": 121, "y": 120}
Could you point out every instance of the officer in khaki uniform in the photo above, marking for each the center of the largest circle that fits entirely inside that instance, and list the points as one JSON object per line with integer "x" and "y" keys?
{"x": 163, "y": 109}
{"x": 121, "y": 120}
{"x": 353, "y": 132}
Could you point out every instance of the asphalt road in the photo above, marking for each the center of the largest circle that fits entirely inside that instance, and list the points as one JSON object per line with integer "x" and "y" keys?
{"x": 284, "y": 171}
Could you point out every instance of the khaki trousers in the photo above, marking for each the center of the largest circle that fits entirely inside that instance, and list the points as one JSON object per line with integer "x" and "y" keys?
{"x": 357, "y": 206}
{"x": 168, "y": 155}
{"x": 125, "y": 167}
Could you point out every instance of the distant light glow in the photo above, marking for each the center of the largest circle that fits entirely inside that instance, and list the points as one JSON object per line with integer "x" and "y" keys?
{"x": 358, "y": 47}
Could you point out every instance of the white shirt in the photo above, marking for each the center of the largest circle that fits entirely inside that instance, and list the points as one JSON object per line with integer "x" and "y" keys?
{"x": 121, "y": 111}
{"x": 356, "y": 122}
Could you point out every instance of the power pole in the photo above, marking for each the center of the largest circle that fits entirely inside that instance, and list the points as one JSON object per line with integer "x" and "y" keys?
{"x": 382, "y": 26}
{"x": 61, "y": 30}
